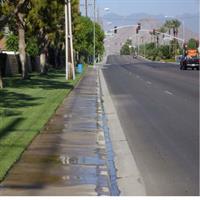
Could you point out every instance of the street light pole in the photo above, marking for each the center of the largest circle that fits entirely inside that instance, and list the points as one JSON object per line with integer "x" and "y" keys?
{"x": 66, "y": 41}
{"x": 86, "y": 8}
{"x": 71, "y": 40}
{"x": 94, "y": 56}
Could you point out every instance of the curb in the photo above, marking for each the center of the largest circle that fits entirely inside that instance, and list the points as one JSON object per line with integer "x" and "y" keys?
{"x": 129, "y": 180}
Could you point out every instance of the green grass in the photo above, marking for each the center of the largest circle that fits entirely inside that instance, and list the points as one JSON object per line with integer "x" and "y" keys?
{"x": 25, "y": 107}
{"x": 169, "y": 60}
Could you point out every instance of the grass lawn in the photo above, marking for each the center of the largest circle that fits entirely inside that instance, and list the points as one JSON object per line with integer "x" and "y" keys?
{"x": 25, "y": 107}
{"x": 170, "y": 60}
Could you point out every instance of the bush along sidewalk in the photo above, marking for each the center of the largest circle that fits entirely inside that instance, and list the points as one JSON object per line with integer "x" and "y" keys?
{"x": 25, "y": 107}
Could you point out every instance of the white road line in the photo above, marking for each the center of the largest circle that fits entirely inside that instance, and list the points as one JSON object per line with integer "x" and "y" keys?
{"x": 167, "y": 92}
{"x": 137, "y": 76}
{"x": 148, "y": 82}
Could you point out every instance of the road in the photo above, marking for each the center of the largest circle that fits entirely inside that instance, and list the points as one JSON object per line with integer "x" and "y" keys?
{"x": 158, "y": 107}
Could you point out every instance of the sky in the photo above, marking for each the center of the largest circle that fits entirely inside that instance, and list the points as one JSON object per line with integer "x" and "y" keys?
{"x": 155, "y": 7}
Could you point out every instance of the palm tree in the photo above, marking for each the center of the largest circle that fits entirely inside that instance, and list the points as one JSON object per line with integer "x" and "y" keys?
{"x": 168, "y": 25}
{"x": 176, "y": 24}
{"x": 162, "y": 29}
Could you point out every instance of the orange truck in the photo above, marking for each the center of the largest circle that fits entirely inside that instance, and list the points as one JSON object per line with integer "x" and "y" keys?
{"x": 192, "y": 53}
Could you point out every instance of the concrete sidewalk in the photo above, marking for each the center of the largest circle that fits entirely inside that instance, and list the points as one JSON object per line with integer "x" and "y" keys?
{"x": 69, "y": 157}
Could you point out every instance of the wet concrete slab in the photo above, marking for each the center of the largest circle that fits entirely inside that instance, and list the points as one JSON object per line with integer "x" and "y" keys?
{"x": 69, "y": 157}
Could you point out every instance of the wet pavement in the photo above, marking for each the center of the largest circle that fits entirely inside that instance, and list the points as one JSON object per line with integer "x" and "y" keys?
{"x": 72, "y": 156}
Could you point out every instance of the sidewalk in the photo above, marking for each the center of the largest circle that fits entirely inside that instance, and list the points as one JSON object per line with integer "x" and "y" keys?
{"x": 69, "y": 157}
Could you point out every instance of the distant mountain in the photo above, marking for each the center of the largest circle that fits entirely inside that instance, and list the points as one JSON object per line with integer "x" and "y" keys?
{"x": 191, "y": 21}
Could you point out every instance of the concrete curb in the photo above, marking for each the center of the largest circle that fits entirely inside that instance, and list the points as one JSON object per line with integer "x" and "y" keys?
{"x": 129, "y": 179}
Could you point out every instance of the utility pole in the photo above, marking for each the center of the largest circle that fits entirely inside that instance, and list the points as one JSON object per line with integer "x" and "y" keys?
{"x": 71, "y": 40}
{"x": 66, "y": 41}
{"x": 86, "y": 8}
{"x": 94, "y": 57}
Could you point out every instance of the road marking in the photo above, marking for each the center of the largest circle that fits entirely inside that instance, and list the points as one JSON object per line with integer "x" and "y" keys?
{"x": 137, "y": 76}
{"x": 167, "y": 92}
{"x": 148, "y": 82}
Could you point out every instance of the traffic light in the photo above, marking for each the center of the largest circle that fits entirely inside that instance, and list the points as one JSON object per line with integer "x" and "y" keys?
{"x": 138, "y": 28}
{"x": 115, "y": 29}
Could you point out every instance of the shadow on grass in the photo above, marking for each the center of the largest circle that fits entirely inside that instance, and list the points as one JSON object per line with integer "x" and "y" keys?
{"x": 50, "y": 81}
{"x": 10, "y": 127}
{"x": 47, "y": 84}
{"x": 10, "y": 100}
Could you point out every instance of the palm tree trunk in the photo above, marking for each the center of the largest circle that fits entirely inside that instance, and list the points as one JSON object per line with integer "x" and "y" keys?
{"x": 174, "y": 32}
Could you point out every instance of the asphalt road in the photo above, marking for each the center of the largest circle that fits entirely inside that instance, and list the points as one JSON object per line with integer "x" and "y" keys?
{"x": 158, "y": 107}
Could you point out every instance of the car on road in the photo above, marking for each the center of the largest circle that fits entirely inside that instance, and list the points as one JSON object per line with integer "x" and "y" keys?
{"x": 189, "y": 62}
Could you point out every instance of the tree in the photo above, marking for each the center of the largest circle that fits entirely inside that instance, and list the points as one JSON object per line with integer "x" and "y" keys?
{"x": 48, "y": 28}
{"x": 168, "y": 25}
{"x": 1, "y": 66}
{"x": 192, "y": 44}
{"x": 16, "y": 12}
{"x": 127, "y": 48}
{"x": 32, "y": 47}
{"x": 3, "y": 21}
{"x": 83, "y": 39}
{"x": 175, "y": 26}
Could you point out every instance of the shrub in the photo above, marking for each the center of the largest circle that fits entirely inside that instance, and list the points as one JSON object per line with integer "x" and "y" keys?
{"x": 32, "y": 47}
{"x": 192, "y": 44}
{"x": 126, "y": 49}
{"x": 12, "y": 43}
{"x": 165, "y": 52}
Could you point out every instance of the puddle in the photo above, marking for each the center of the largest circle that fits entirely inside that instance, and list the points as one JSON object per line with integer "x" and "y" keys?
{"x": 110, "y": 154}
{"x": 66, "y": 160}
